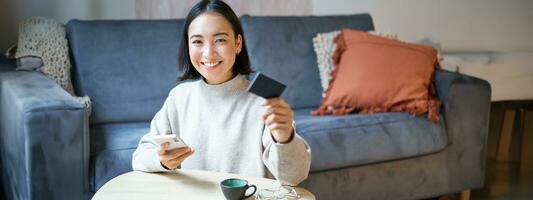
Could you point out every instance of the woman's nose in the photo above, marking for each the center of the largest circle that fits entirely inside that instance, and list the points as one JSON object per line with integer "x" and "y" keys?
{"x": 209, "y": 51}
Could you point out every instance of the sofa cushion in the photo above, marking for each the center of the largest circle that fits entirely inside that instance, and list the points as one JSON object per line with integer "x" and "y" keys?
{"x": 282, "y": 47}
{"x": 108, "y": 165}
{"x": 126, "y": 67}
{"x": 325, "y": 47}
{"x": 352, "y": 140}
{"x": 112, "y": 147}
{"x": 376, "y": 74}
{"x": 117, "y": 136}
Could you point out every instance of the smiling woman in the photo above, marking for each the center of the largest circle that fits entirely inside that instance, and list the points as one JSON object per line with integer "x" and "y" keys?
{"x": 213, "y": 46}
{"x": 228, "y": 128}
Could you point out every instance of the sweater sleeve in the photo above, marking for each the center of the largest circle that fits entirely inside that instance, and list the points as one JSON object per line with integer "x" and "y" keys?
{"x": 290, "y": 162}
{"x": 145, "y": 157}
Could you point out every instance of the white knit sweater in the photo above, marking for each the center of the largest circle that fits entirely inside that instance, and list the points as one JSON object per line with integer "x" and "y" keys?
{"x": 222, "y": 123}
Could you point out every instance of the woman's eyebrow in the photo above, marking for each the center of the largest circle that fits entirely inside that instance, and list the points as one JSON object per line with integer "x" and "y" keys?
{"x": 221, "y": 33}
{"x": 216, "y": 34}
{"x": 193, "y": 36}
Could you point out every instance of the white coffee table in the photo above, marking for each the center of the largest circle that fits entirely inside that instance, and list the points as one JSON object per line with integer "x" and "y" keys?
{"x": 181, "y": 184}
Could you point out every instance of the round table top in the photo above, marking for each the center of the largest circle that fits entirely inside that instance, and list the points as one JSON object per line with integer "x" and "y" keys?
{"x": 182, "y": 184}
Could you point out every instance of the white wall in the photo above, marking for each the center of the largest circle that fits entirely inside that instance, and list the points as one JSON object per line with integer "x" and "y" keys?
{"x": 61, "y": 10}
{"x": 498, "y": 31}
{"x": 163, "y": 9}
{"x": 490, "y": 39}
{"x": 64, "y": 10}
{"x": 457, "y": 25}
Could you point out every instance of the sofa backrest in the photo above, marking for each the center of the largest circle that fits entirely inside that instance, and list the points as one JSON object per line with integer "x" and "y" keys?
{"x": 126, "y": 67}
{"x": 282, "y": 47}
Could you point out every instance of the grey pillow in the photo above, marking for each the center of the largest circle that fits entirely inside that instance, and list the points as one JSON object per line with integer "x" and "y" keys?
{"x": 29, "y": 63}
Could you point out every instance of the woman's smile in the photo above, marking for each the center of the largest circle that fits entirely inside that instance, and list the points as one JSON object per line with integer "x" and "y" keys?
{"x": 211, "y": 65}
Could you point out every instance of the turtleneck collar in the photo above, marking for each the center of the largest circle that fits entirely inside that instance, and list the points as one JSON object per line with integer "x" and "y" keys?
{"x": 229, "y": 88}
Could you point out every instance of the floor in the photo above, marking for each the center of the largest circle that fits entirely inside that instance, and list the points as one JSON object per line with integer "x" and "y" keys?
{"x": 510, "y": 178}
{"x": 503, "y": 181}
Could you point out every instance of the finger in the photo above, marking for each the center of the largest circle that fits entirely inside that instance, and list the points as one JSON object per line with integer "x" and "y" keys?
{"x": 269, "y": 101}
{"x": 286, "y": 113}
{"x": 278, "y": 127}
{"x": 170, "y": 166}
{"x": 169, "y": 155}
{"x": 162, "y": 148}
{"x": 277, "y": 119}
{"x": 180, "y": 151}
{"x": 284, "y": 103}
{"x": 165, "y": 145}
{"x": 181, "y": 158}
{"x": 273, "y": 102}
{"x": 276, "y": 102}
{"x": 276, "y": 111}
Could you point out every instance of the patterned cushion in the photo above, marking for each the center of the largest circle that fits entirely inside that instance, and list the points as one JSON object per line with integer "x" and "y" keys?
{"x": 324, "y": 49}
{"x": 45, "y": 38}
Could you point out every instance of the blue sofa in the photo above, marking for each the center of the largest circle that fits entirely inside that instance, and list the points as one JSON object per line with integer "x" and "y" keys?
{"x": 50, "y": 149}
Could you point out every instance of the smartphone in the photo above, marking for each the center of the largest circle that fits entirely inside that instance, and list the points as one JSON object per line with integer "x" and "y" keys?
{"x": 174, "y": 140}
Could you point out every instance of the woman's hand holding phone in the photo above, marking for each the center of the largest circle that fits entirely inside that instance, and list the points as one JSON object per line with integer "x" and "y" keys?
{"x": 172, "y": 150}
{"x": 172, "y": 158}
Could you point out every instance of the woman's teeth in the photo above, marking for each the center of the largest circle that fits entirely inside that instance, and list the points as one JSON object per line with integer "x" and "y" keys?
{"x": 210, "y": 64}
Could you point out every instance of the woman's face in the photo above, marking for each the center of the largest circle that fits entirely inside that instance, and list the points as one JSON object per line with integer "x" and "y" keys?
{"x": 213, "y": 47}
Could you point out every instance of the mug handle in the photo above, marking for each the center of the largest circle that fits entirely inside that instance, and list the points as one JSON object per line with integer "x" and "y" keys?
{"x": 250, "y": 186}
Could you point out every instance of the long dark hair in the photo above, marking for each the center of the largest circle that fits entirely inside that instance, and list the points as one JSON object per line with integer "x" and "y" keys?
{"x": 242, "y": 62}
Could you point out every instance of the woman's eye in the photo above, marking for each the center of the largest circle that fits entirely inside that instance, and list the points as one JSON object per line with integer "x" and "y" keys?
{"x": 196, "y": 42}
{"x": 220, "y": 40}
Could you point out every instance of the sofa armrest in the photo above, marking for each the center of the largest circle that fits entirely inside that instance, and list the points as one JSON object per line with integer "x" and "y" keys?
{"x": 466, "y": 110}
{"x": 44, "y": 135}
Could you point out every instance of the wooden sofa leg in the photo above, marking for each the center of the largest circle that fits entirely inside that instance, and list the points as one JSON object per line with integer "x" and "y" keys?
{"x": 465, "y": 195}
{"x": 504, "y": 142}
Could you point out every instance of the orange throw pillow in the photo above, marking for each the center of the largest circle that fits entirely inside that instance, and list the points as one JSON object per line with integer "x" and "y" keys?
{"x": 374, "y": 74}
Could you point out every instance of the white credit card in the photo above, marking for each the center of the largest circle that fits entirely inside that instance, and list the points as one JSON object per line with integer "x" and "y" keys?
{"x": 174, "y": 140}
